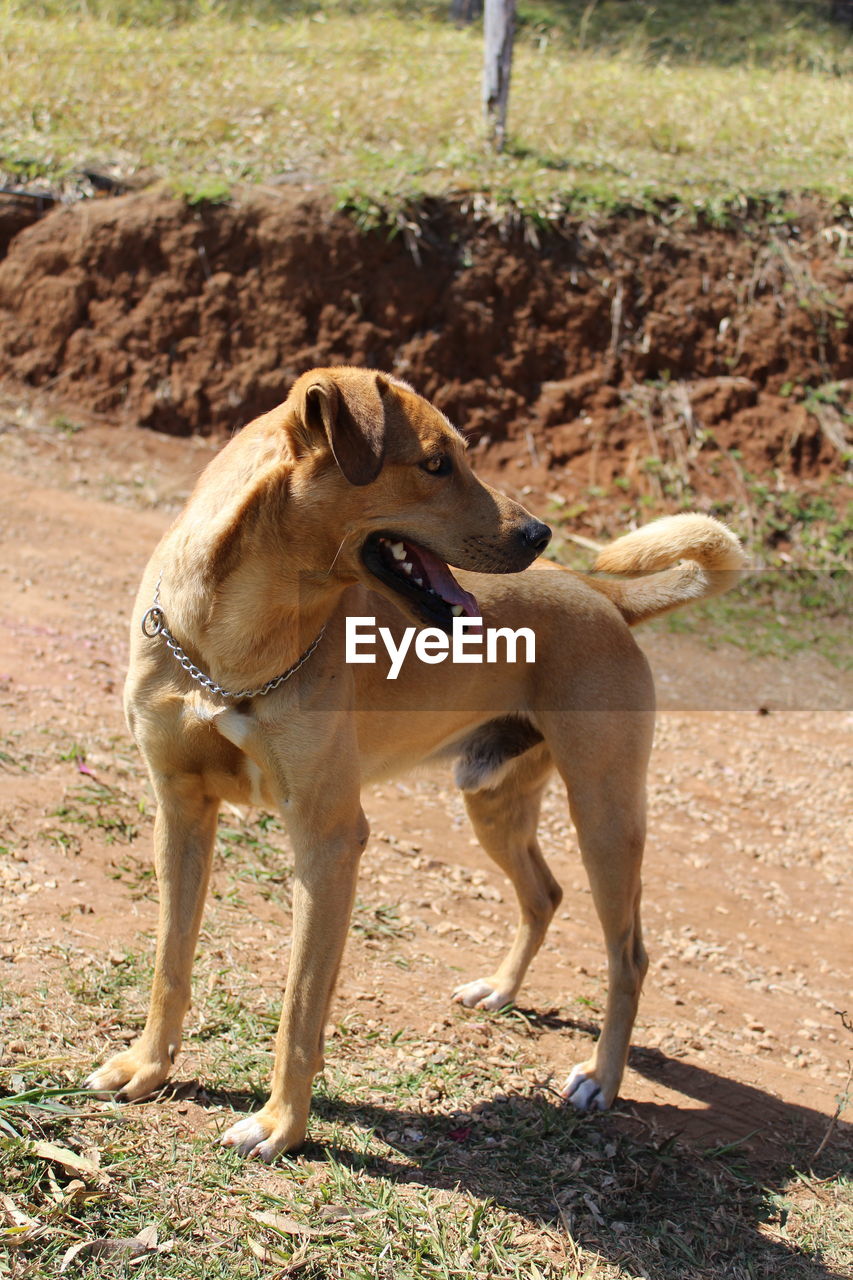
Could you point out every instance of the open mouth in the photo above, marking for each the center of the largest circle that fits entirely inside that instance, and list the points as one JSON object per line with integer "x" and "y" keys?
{"x": 420, "y": 578}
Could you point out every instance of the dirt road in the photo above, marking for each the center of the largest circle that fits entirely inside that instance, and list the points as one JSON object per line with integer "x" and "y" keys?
{"x": 747, "y": 903}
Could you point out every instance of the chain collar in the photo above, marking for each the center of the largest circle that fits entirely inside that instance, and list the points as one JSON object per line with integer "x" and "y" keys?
{"x": 154, "y": 624}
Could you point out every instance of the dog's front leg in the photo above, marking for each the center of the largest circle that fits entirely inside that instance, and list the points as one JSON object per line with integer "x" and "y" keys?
{"x": 326, "y": 870}
{"x": 184, "y": 832}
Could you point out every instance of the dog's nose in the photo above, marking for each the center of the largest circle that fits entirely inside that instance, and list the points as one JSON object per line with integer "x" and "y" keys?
{"x": 535, "y": 536}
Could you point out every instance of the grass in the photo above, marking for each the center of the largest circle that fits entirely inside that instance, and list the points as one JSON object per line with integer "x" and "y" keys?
{"x": 798, "y": 536}
{"x": 776, "y": 616}
{"x": 795, "y": 33}
{"x": 421, "y": 1165}
{"x": 94, "y": 805}
{"x": 254, "y": 851}
{"x": 39, "y": 1099}
{"x": 431, "y": 1155}
{"x": 381, "y": 103}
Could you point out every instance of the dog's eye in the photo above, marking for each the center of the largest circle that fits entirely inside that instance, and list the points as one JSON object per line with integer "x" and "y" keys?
{"x": 438, "y": 465}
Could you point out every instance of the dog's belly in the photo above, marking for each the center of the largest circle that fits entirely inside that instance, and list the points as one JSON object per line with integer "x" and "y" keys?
{"x": 402, "y": 723}
{"x": 391, "y": 743}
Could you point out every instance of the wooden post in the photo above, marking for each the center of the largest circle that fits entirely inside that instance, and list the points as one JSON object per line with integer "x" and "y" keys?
{"x": 499, "y": 34}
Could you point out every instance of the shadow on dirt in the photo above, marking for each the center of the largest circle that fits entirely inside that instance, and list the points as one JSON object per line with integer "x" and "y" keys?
{"x": 634, "y": 1184}
{"x": 765, "y": 1129}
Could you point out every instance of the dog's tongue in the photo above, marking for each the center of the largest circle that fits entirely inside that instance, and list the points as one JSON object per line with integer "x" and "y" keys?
{"x": 442, "y": 581}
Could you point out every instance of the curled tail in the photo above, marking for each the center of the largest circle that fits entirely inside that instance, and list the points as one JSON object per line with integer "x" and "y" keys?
{"x": 711, "y": 560}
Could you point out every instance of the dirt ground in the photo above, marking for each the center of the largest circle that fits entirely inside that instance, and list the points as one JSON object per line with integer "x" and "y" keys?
{"x": 747, "y": 905}
{"x": 647, "y": 350}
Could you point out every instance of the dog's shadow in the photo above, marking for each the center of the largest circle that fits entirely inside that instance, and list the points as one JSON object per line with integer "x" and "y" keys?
{"x": 614, "y": 1180}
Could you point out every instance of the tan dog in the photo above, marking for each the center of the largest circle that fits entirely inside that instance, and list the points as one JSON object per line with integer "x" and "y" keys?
{"x": 349, "y": 500}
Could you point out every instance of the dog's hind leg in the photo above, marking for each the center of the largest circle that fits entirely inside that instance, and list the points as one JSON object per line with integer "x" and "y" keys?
{"x": 184, "y": 832}
{"x": 505, "y": 819}
{"x": 604, "y": 772}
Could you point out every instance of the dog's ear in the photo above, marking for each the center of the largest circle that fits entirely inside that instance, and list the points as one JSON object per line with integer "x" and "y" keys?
{"x": 351, "y": 413}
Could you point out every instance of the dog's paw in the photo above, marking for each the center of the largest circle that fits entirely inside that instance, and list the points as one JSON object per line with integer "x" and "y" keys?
{"x": 261, "y": 1137}
{"x": 584, "y": 1092}
{"x": 482, "y": 993}
{"x": 131, "y": 1075}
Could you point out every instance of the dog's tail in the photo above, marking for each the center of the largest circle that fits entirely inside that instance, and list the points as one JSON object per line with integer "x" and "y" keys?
{"x": 711, "y": 560}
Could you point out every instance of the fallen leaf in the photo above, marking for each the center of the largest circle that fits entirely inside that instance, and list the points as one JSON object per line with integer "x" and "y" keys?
{"x": 340, "y": 1212}
{"x": 593, "y": 1208}
{"x": 104, "y": 1247}
{"x": 75, "y": 1193}
{"x": 70, "y": 1161}
{"x": 263, "y": 1254}
{"x": 148, "y": 1237}
{"x": 281, "y": 1223}
{"x": 135, "y": 1247}
{"x": 16, "y": 1216}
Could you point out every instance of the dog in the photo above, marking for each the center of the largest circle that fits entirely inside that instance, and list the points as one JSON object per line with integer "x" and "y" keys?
{"x": 351, "y": 499}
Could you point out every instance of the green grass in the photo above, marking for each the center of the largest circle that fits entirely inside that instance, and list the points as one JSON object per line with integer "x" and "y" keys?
{"x": 256, "y": 852}
{"x": 421, "y": 1165}
{"x": 611, "y": 105}
{"x": 795, "y": 595}
{"x": 776, "y": 615}
{"x": 94, "y": 805}
{"x": 436, "y": 1155}
{"x": 793, "y": 33}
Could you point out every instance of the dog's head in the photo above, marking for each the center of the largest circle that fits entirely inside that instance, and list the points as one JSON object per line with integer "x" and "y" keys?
{"x": 397, "y": 494}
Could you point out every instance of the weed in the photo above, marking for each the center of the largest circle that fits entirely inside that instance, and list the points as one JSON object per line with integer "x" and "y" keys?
{"x": 65, "y": 425}
{"x": 830, "y": 403}
{"x": 427, "y": 1158}
{"x": 796, "y": 595}
{"x": 378, "y": 923}
{"x": 20, "y": 1107}
{"x": 110, "y": 980}
{"x": 101, "y": 808}
{"x": 13, "y": 763}
{"x": 256, "y": 852}
{"x": 203, "y": 189}
{"x": 137, "y": 873}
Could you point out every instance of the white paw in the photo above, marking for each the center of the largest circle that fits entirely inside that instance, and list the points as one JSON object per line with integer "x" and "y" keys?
{"x": 93, "y": 1084}
{"x": 481, "y": 994}
{"x": 265, "y": 1135}
{"x": 250, "y": 1137}
{"x": 583, "y": 1092}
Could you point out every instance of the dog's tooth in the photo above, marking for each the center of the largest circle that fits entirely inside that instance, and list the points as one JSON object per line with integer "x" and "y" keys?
{"x": 419, "y": 582}
{"x": 398, "y": 550}
{"x": 407, "y": 566}
{"x": 457, "y": 610}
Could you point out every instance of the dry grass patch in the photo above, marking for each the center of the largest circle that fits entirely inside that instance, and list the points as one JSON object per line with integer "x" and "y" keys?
{"x": 382, "y": 107}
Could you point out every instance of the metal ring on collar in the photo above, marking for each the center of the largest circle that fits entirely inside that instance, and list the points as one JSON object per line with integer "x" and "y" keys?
{"x": 153, "y": 622}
